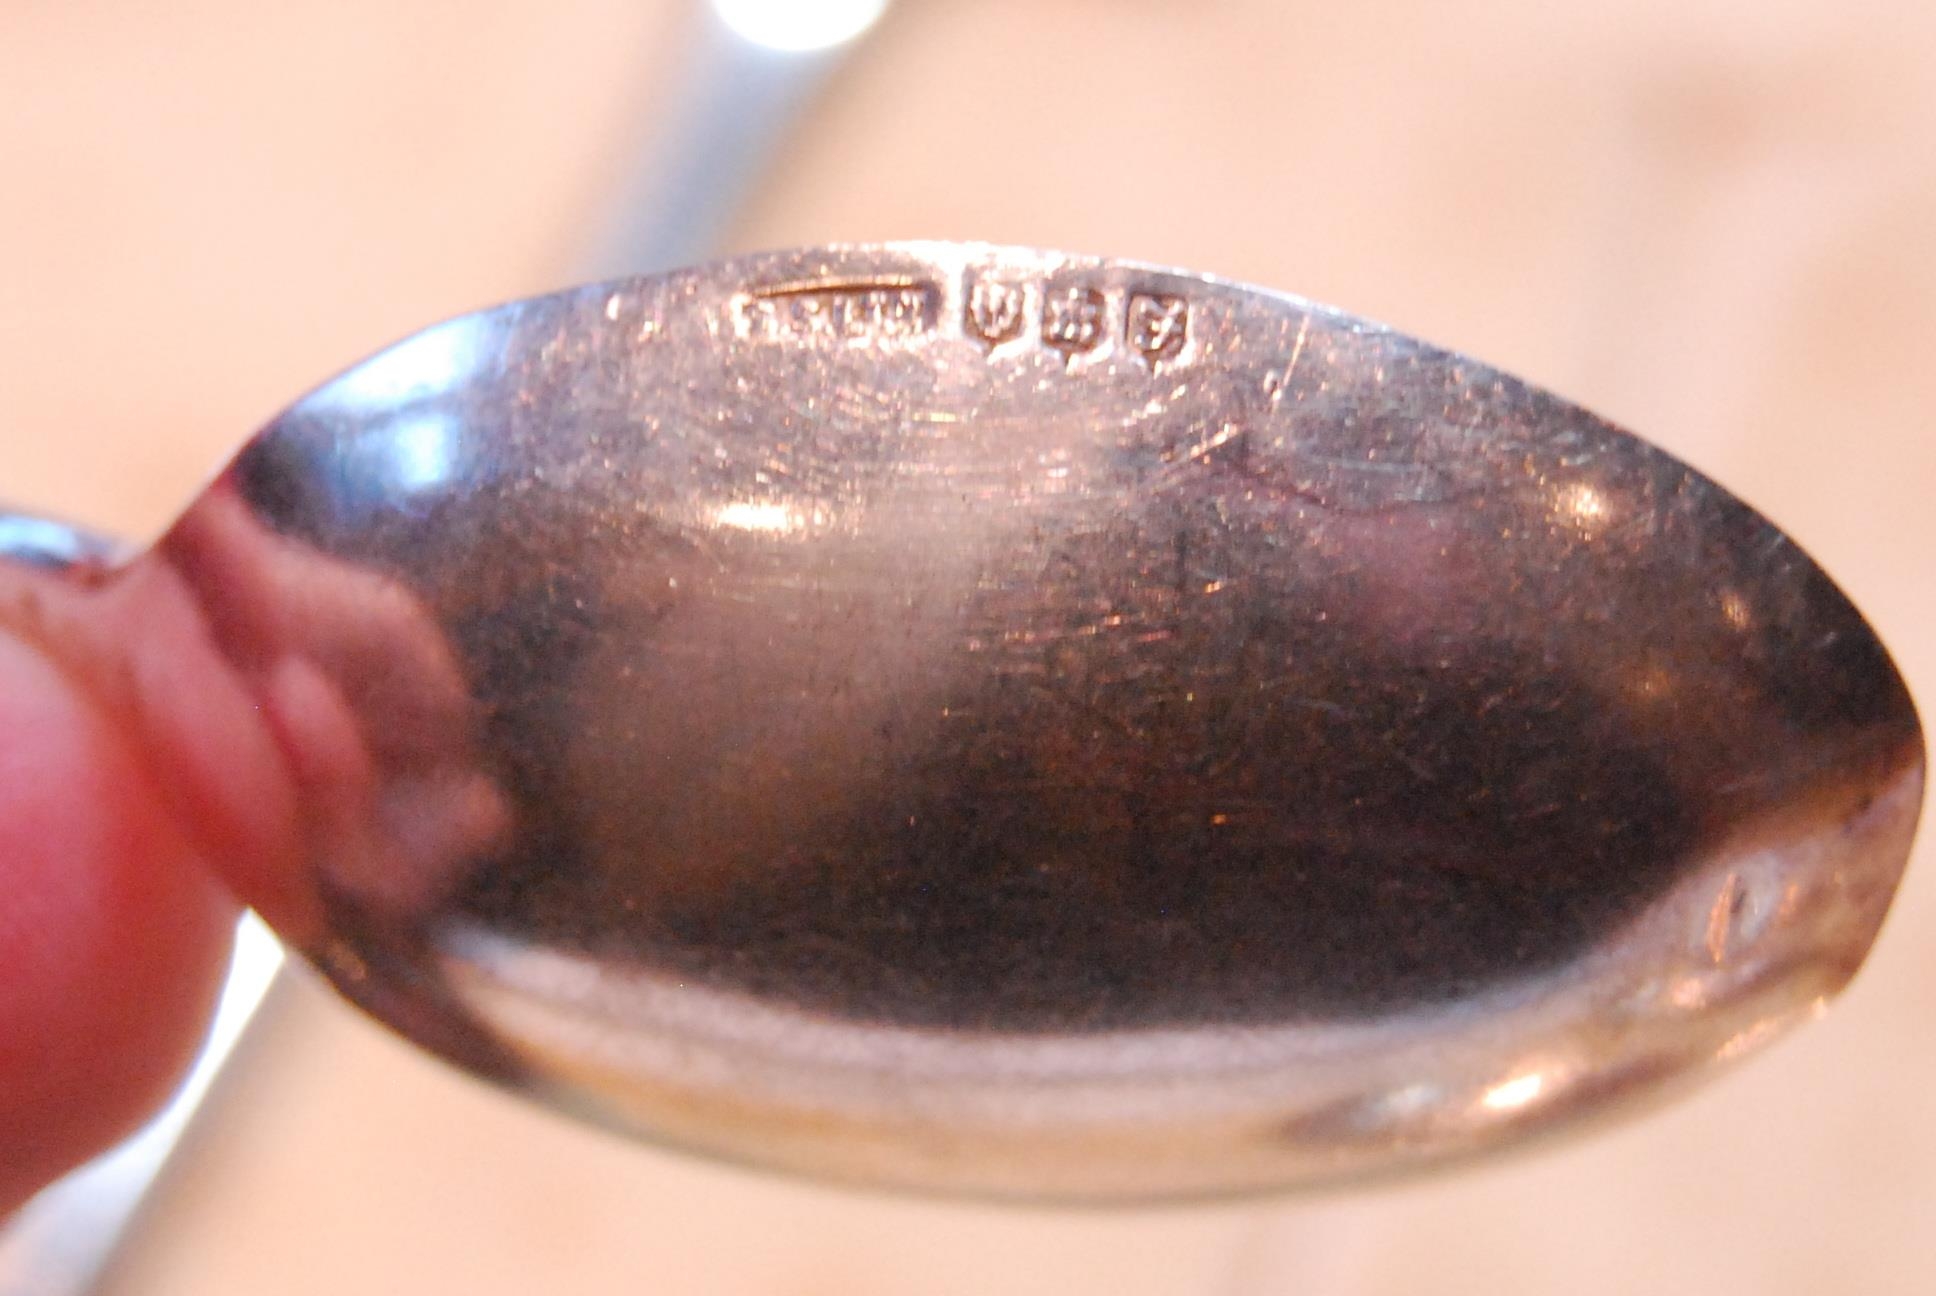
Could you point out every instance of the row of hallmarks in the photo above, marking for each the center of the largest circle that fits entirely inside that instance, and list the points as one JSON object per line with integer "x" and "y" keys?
{"x": 1073, "y": 316}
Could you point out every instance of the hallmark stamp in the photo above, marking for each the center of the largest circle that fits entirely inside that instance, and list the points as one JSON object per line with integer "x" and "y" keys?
{"x": 994, "y": 310}
{"x": 1156, "y": 325}
{"x": 1073, "y": 319}
{"x": 892, "y": 310}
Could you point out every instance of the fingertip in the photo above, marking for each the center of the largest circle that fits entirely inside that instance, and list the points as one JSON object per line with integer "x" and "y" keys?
{"x": 113, "y": 937}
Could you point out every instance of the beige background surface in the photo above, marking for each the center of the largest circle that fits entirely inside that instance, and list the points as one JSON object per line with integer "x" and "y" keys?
{"x": 1712, "y": 220}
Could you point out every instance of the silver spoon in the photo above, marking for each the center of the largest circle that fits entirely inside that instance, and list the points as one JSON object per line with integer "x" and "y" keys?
{"x": 977, "y": 719}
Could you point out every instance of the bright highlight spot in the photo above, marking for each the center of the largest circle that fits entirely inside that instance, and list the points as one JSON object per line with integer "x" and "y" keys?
{"x": 1510, "y": 1095}
{"x": 1747, "y": 1041}
{"x": 428, "y": 365}
{"x": 423, "y": 452}
{"x": 1586, "y": 504}
{"x": 749, "y": 516}
{"x": 799, "y": 26}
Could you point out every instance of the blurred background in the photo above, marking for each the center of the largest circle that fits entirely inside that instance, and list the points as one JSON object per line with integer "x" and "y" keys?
{"x": 1712, "y": 220}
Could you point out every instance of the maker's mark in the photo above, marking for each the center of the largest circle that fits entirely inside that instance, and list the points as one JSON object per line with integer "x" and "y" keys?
{"x": 838, "y": 311}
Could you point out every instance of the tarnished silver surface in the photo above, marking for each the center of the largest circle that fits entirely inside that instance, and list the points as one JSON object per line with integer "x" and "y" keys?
{"x": 985, "y": 720}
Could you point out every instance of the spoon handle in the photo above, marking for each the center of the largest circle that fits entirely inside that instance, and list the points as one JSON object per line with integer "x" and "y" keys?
{"x": 736, "y": 100}
{"x": 43, "y": 542}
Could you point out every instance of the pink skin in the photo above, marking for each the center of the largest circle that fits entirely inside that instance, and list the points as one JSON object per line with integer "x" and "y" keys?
{"x": 226, "y": 719}
{"x": 114, "y": 931}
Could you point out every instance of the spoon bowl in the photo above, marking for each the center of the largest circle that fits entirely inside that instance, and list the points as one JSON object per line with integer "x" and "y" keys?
{"x": 982, "y": 720}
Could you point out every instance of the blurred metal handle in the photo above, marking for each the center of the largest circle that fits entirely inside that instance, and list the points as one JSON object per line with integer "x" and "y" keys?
{"x": 55, "y": 546}
{"x": 754, "y": 67}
